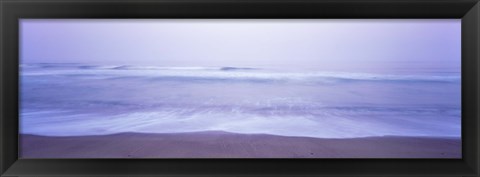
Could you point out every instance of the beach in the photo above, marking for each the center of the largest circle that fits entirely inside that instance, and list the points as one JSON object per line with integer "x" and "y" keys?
{"x": 245, "y": 88}
{"x": 83, "y": 111}
{"x": 216, "y": 144}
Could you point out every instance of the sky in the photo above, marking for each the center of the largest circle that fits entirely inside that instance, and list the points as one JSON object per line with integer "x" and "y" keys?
{"x": 321, "y": 44}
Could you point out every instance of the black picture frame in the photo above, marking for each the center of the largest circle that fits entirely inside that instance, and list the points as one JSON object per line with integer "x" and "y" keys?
{"x": 13, "y": 10}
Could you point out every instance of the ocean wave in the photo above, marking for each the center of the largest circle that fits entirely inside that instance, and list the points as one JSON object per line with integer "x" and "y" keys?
{"x": 223, "y": 73}
{"x": 325, "y": 125}
{"x": 235, "y": 68}
{"x": 129, "y": 67}
{"x": 98, "y": 99}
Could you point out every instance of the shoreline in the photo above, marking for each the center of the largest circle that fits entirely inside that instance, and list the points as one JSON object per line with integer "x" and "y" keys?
{"x": 233, "y": 145}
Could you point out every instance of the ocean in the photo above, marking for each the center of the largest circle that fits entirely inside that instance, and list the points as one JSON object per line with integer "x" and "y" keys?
{"x": 72, "y": 99}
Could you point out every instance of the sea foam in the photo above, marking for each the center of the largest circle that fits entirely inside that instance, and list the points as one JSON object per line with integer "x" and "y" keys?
{"x": 79, "y": 99}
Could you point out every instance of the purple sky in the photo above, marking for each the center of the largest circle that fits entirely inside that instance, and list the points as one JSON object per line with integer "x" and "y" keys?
{"x": 316, "y": 43}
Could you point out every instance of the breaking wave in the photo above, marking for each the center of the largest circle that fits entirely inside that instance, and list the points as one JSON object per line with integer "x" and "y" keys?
{"x": 223, "y": 73}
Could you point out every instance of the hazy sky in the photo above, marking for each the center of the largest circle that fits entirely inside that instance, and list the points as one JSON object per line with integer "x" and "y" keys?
{"x": 316, "y": 43}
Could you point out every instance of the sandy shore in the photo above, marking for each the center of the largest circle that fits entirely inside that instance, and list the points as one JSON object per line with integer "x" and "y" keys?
{"x": 230, "y": 145}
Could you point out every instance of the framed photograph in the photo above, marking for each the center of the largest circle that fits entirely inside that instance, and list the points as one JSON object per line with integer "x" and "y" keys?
{"x": 239, "y": 88}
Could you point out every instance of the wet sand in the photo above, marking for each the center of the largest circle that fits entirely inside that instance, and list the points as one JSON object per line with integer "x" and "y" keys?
{"x": 231, "y": 145}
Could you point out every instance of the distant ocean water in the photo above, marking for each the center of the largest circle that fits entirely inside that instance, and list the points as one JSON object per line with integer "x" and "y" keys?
{"x": 78, "y": 99}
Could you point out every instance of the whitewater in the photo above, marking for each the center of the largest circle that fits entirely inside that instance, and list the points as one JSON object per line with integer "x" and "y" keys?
{"x": 79, "y": 99}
